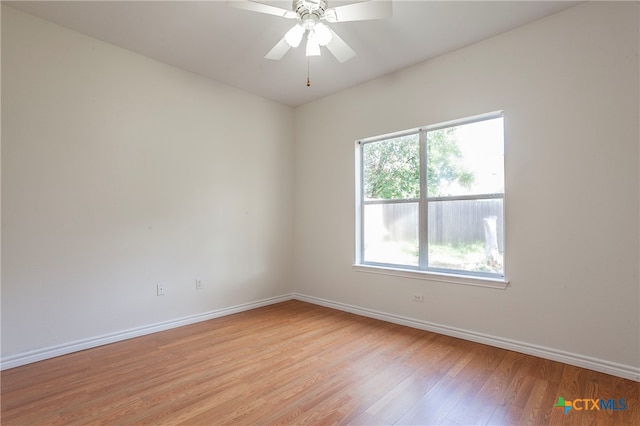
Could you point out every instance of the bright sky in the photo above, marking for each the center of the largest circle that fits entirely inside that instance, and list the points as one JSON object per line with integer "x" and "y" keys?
{"x": 482, "y": 146}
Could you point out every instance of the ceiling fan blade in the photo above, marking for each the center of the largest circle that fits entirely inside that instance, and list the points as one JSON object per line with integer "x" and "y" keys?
{"x": 278, "y": 51}
{"x": 261, "y": 8}
{"x": 339, "y": 48}
{"x": 365, "y": 10}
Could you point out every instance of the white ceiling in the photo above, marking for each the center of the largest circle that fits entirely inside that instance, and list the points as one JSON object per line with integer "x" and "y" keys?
{"x": 228, "y": 44}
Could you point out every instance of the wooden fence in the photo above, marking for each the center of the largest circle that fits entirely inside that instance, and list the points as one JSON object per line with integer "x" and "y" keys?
{"x": 450, "y": 222}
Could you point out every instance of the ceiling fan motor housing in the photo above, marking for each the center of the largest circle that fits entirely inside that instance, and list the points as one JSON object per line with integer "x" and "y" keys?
{"x": 310, "y": 10}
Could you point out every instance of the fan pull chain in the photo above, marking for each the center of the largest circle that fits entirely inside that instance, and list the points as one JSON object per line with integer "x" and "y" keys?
{"x": 308, "y": 81}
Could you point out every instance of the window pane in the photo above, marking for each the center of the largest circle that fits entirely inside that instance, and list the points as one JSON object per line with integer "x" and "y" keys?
{"x": 391, "y": 233}
{"x": 466, "y": 235}
{"x": 391, "y": 169}
{"x": 466, "y": 159}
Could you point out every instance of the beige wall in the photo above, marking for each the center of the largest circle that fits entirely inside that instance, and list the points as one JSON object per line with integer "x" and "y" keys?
{"x": 568, "y": 85}
{"x": 119, "y": 173}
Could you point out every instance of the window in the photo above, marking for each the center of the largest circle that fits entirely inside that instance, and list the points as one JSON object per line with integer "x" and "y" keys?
{"x": 432, "y": 199}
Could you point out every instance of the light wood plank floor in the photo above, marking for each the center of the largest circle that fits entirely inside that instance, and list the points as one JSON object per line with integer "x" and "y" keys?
{"x": 297, "y": 363}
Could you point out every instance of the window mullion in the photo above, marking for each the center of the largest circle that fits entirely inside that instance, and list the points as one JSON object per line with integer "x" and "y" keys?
{"x": 423, "y": 209}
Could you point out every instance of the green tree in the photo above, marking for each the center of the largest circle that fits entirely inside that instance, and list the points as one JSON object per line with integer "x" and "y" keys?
{"x": 444, "y": 163}
{"x": 392, "y": 167}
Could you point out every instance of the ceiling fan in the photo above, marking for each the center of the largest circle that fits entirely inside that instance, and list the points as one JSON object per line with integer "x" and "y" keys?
{"x": 312, "y": 17}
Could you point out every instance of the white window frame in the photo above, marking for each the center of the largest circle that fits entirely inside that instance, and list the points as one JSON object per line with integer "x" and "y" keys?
{"x": 422, "y": 271}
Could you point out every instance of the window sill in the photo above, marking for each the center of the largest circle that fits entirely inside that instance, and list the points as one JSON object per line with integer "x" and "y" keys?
{"x": 497, "y": 283}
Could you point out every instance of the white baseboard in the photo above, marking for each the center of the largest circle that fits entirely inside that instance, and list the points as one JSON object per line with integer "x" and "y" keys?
{"x": 79, "y": 345}
{"x": 603, "y": 366}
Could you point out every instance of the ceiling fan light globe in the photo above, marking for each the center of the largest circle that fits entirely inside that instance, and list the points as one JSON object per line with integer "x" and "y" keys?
{"x": 321, "y": 34}
{"x": 293, "y": 37}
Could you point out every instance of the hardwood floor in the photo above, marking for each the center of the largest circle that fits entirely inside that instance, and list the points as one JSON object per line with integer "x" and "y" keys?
{"x": 297, "y": 363}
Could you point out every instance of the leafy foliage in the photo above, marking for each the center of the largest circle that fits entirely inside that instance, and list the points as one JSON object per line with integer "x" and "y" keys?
{"x": 392, "y": 167}
{"x": 444, "y": 165}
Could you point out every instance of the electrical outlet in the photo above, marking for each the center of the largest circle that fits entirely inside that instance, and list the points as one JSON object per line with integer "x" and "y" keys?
{"x": 161, "y": 290}
{"x": 198, "y": 284}
{"x": 417, "y": 297}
